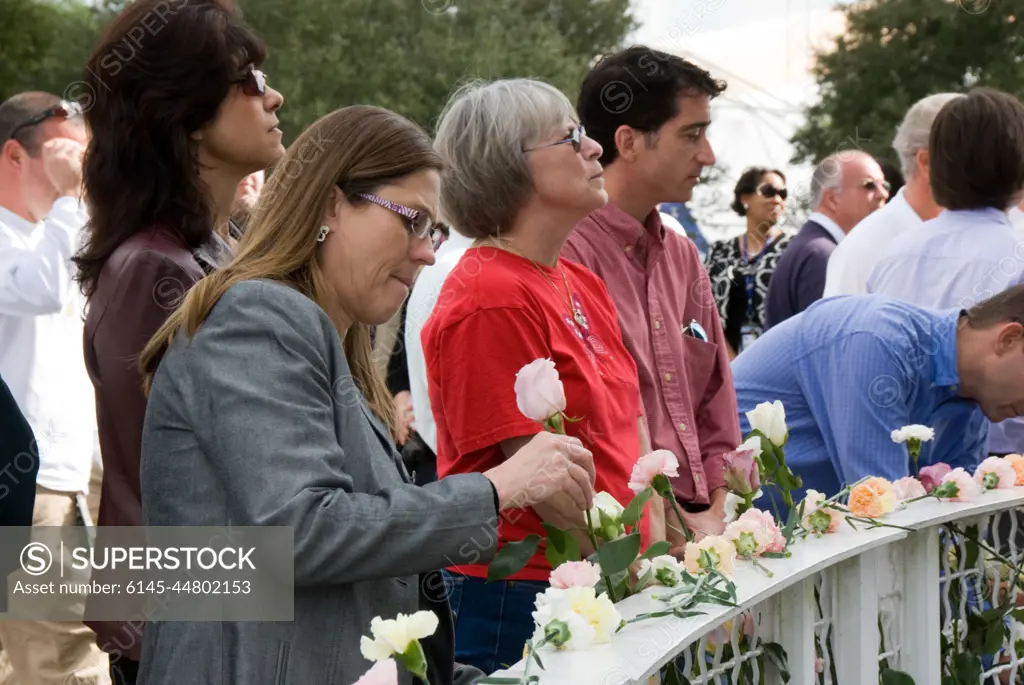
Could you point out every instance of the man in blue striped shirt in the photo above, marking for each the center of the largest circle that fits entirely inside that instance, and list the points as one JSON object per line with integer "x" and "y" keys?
{"x": 850, "y": 370}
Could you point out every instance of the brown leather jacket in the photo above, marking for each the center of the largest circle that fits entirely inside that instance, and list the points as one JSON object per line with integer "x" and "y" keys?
{"x": 144, "y": 280}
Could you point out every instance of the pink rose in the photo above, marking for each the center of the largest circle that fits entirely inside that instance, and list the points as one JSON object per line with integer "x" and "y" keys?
{"x": 383, "y": 673}
{"x": 741, "y": 474}
{"x": 931, "y": 476}
{"x": 575, "y": 574}
{"x": 967, "y": 489}
{"x": 819, "y": 664}
{"x": 995, "y": 473}
{"x": 658, "y": 462}
{"x": 539, "y": 392}
{"x": 774, "y": 539}
{"x": 908, "y": 488}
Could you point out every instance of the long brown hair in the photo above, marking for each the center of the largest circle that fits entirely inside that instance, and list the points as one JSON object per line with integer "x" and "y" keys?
{"x": 143, "y": 99}
{"x": 358, "y": 149}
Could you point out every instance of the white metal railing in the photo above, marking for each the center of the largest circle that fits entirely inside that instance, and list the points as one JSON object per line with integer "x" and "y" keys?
{"x": 826, "y": 602}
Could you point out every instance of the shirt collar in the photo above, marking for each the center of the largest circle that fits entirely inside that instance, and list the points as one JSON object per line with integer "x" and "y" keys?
{"x": 625, "y": 228}
{"x": 944, "y": 369}
{"x": 832, "y": 227}
{"x": 9, "y": 218}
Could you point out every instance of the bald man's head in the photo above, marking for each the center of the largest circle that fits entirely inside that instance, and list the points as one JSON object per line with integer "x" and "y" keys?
{"x": 847, "y": 186}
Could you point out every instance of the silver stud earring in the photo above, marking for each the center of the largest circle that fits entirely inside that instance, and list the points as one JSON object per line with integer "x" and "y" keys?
{"x": 322, "y": 235}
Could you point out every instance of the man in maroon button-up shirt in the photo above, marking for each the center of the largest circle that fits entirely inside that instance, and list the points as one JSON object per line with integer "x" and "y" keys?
{"x": 650, "y": 111}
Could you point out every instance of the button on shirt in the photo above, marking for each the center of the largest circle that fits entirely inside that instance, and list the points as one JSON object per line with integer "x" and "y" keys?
{"x": 853, "y": 259}
{"x": 659, "y": 285}
{"x": 41, "y": 357}
{"x": 957, "y": 259}
{"x": 856, "y": 368}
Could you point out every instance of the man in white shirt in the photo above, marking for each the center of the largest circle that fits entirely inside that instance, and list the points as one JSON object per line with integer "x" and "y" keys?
{"x": 422, "y": 301}
{"x": 42, "y": 141}
{"x": 852, "y": 261}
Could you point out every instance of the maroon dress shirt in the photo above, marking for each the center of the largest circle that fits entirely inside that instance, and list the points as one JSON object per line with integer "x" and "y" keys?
{"x": 659, "y": 286}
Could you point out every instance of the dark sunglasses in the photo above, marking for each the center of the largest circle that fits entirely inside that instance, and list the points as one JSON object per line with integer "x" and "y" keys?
{"x": 65, "y": 110}
{"x": 254, "y": 83}
{"x": 768, "y": 191}
{"x": 872, "y": 185}
{"x": 575, "y": 137}
{"x": 416, "y": 222}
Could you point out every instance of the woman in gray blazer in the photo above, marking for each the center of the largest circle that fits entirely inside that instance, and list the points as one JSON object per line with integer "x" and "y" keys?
{"x": 263, "y": 392}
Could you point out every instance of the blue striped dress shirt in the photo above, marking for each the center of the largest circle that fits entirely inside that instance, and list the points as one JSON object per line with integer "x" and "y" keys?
{"x": 850, "y": 370}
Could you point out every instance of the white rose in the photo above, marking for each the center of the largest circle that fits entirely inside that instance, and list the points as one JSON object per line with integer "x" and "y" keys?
{"x": 665, "y": 570}
{"x": 598, "y": 611}
{"x": 917, "y": 431}
{"x": 732, "y": 501}
{"x": 752, "y": 443}
{"x": 556, "y": 605}
{"x": 393, "y": 636}
{"x": 539, "y": 392}
{"x": 605, "y": 502}
{"x": 770, "y": 419}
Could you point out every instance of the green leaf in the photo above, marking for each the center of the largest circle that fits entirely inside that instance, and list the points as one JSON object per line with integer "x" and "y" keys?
{"x": 994, "y": 634}
{"x": 512, "y": 558}
{"x": 658, "y": 549}
{"x": 796, "y": 514}
{"x": 967, "y": 668}
{"x": 617, "y": 555}
{"x": 890, "y": 676}
{"x": 635, "y": 509}
{"x": 1018, "y": 615}
{"x": 971, "y": 545}
{"x": 561, "y": 546}
{"x": 777, "y": 656}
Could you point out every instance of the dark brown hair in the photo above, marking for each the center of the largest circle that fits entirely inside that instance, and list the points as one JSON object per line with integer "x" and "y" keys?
{"x": 1005, "y": 306}
{"x": 748, "y": 183}
{"x": 976, "y": 151}
{"x": 158, "y": 74}
{"x": 638, "y": 87}
{"x": 358, "y": 149}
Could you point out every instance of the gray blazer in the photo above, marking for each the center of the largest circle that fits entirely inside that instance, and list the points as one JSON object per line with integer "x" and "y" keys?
{"x": 255, "y": 421}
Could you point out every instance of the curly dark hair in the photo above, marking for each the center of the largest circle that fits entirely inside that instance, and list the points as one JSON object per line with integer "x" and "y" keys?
{"x": 748, "y": 183}
{"x": 158, "y": 74}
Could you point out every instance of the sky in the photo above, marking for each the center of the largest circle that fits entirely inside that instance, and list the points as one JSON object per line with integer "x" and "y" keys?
{"x": 763, "y": 49}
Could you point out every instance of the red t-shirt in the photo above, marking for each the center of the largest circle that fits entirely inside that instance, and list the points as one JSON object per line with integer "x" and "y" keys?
{"x": 496, "y": 313}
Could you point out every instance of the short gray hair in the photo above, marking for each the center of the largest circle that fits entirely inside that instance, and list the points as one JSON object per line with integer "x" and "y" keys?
{"x": 481, "y": 136}
{"x": 912, "y": 134}
{"x": 827, "y": 175}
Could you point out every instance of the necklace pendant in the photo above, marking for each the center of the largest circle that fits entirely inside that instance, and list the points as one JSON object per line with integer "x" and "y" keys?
{"x": 581, "y": 320}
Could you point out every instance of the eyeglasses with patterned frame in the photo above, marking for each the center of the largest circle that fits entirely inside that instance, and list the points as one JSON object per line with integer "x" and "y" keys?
{"x": 416, "y": 221}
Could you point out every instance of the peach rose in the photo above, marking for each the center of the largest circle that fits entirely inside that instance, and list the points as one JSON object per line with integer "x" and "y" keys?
{"x": 967, "y": 488}
{"x": 721, "y": 552}
{"x": 1017, "y": 462}
{"x": 872, "y": 498}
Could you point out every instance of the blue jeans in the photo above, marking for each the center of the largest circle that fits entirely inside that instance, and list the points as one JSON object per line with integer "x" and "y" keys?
{"x": 493, "y": 621}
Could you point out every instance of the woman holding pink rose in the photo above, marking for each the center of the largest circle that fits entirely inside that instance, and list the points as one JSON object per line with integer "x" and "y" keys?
{"x": 520, "y": 172}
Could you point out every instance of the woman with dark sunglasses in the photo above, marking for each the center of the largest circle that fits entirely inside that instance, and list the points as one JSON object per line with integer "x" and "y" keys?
{"x": 178, "y": 119}
{"x": 740, "y": 269}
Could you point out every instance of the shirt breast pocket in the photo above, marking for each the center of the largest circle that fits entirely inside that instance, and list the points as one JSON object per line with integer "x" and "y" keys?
{"x": 699, "y": 359}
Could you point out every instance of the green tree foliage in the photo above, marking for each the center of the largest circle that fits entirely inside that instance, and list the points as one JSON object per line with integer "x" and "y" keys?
{"x": 44, "y": 43}
{"x": 408, "y": 55}
{"x": 896, "y": 52}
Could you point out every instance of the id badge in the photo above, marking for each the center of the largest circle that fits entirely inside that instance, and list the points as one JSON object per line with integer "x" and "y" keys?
{"x": 748, "y": 334}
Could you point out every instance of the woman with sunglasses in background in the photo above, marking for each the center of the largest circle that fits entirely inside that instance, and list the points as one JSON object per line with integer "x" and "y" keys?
{"x": 520, "y": 174}
{"x": 263, "y": 391}
{"x": 740, "y": 269}
{"x": 177, "y": 121}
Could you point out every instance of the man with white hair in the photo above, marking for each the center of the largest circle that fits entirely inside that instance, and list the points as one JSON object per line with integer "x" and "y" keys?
{"x": 846, "y": 187}
{"x": 852, "y": 261}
